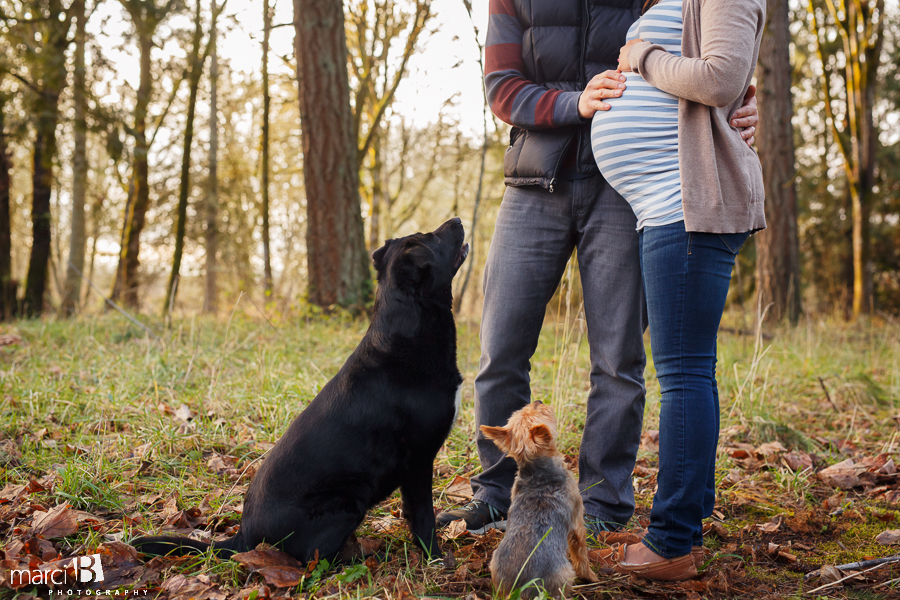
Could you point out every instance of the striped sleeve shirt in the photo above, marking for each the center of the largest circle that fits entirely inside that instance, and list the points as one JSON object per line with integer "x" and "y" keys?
{"x": 512, "y": 97}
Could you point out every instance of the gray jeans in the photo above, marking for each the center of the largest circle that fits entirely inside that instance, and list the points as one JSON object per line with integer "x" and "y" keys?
{"x": 533, "y": 240}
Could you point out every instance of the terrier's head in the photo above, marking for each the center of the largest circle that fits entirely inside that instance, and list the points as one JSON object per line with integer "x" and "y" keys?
{"x": 530, "y": 433}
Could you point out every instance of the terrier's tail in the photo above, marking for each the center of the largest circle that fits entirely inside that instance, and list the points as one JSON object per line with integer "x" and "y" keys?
{"x": 164, "y": 545}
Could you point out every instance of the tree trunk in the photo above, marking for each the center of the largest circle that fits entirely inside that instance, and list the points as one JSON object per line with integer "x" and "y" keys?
{"x": 50, "y": 71}
{"x": 859, "y": 26}
{"x": 42, "y": 186}
{"x": 862, "y": 166}
{"x": 79, "y": 171}
{"x": 211, "y": 299}
{"x": 8, "y": 306}
{"x": 125, "y": 286}
{"x": 377, "y": 173}
{"x": 267, "y": 247}
{"x": 778, "y": 249}
{"x": 337, "y": 262}
{"x": 185, "y": 188}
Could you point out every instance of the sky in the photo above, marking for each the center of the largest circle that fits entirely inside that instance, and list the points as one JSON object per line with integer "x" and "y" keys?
{"x": 446, "y": 64}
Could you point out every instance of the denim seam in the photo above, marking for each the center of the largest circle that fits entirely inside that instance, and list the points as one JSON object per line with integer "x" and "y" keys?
{"x": 660, "y": 549}
{"x": 727, "y": 245}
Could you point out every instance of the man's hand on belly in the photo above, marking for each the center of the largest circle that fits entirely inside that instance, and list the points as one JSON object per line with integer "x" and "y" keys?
{"x": 746, "y": 118}
{"x": 609, "y": 84}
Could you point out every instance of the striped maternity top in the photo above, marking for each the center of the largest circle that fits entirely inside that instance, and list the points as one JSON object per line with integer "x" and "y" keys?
{"x": 635, "y": 143}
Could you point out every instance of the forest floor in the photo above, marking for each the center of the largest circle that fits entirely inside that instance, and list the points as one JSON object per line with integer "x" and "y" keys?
{"x": 106, "y": 434}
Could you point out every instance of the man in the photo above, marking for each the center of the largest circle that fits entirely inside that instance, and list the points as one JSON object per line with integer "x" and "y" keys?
{"x": 549, "y": 65}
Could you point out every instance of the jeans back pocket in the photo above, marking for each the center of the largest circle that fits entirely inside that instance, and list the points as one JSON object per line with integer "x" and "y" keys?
{"x": 734, "y": 241}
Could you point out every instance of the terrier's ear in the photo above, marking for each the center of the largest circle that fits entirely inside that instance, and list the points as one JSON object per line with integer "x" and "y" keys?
{"x": 499, "y": 435}
{"x": 541, "y": 436}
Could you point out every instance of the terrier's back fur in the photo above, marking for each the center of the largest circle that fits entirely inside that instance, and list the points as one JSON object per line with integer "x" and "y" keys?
{"x": 546, "y": 518}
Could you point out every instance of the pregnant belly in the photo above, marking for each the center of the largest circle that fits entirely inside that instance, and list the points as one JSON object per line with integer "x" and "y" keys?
{"x": 635, "y": 143}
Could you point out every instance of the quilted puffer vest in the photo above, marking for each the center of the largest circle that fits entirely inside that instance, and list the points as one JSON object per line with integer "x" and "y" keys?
{"x": 565, "y": 43}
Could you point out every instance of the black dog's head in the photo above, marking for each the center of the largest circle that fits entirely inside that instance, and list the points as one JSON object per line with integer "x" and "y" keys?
{"x": 415, "y": 274}
{"x": 423, "y": 263}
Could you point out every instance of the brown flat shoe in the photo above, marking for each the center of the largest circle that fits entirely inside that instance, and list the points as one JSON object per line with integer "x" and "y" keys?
{"x": 672, "y": 569}
{"x": 699, "y": 557}
{"x": 607, "y": 559}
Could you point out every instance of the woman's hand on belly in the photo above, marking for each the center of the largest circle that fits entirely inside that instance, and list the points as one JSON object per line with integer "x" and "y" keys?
{"x": 609, "y": 84}
{"x": 624, "y": 65}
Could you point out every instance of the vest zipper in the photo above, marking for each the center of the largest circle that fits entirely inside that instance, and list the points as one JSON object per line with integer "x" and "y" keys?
{"x": 586, "y": 27}
{"x": 554, "y": 180}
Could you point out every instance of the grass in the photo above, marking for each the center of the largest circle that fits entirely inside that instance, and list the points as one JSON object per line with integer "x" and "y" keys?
{"x": 121, "y": 418}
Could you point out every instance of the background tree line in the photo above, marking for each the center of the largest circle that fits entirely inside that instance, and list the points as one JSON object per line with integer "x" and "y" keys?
{"x": 202, "y": 183}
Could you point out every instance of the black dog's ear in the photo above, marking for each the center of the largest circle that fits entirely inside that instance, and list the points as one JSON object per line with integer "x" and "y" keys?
{"x": 378, "y": 255}
{"x": 421, "y": 259}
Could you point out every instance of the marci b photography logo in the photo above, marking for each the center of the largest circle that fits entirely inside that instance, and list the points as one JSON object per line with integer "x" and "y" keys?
{"x": 82, "y": 569}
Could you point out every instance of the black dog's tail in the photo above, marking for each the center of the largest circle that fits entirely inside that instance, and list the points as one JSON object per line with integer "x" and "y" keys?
{"x": 173, "y": 545}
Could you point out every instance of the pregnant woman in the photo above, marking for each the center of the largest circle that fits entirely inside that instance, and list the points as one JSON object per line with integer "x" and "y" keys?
{"x": 696, "y": 188}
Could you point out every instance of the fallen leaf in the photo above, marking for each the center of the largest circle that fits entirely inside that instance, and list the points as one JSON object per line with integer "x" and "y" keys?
{"x": 281, "y": 577}
{"x": 171, "y": 506}
{"x": 13, "y": 549}
{"x": 259, "y": 593}
{"x": 770, "y": 448}
{"x": 843, "y": 475}
{"x": 149, "y": 499}
{"x": 257, "y": 559}
{"x": 118, "y": 554}
{"x": 787, "y": 556}
{"x": 9, "y": 339}
{"x": 716, "y": 529}
{"x": 460, "y": 488}
{"x": 770, "y": 527}
{"x": 42, "y": 548}
{"x": 455, "y": 530}
{"x": 216, "y": 464}
{"x": 180, "y": 587}
{"x": 693, "y": 586}
{"x": 186, "y": 519}
{"x": 59, "y": 522}
{"x": 384, "y": 524}
{"x": 183, "y": 413}
{"x": 650, "y": 441}
{"x": 830, "y": 574}
{"x": 11, "y": 492}
{"x": 370, "y": 546}
{"x": 891, "y": 537}
{"x": 797, "y": 461}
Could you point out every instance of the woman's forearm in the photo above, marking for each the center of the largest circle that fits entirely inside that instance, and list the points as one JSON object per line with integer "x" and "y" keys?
{"x": 718, "y": 78}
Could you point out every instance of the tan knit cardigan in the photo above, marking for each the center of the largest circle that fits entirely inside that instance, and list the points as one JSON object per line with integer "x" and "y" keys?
{"x": 721, "y": 177}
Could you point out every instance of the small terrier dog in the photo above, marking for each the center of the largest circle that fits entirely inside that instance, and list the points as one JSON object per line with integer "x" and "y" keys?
{"x": 546, "y": 513}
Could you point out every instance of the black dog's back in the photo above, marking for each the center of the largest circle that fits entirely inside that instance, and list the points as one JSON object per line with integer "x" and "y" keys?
{"x": 376, "y": 426}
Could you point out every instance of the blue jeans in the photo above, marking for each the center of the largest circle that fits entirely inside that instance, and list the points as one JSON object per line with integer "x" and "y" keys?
{"x": 686, "y": 278}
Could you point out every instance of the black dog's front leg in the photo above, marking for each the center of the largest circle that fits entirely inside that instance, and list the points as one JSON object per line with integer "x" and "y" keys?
{"x": 419, "y": 511}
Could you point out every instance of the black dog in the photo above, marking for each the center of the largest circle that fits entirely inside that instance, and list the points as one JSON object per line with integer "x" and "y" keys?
{"x": 376, "y": 426}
